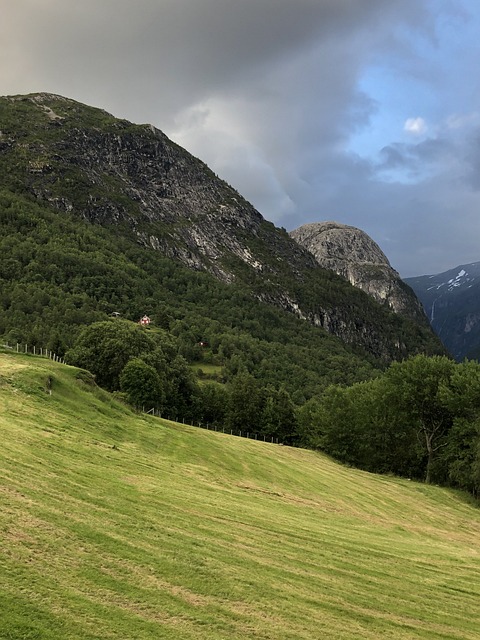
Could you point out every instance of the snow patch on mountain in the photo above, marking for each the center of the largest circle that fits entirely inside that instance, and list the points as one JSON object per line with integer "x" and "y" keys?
{"x": 462, "y": 279}
{"x": 452, "y": 303}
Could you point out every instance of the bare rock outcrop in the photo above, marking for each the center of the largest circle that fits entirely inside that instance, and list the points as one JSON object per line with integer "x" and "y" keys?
{"x": 352, "y": 254}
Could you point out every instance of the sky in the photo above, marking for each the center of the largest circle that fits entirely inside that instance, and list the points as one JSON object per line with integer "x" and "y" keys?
{"x": 366, "y": 112}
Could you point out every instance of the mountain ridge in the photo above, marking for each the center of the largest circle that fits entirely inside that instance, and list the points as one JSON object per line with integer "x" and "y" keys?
{"x": 132, "y": 180}
{"x": 451, "y": 302}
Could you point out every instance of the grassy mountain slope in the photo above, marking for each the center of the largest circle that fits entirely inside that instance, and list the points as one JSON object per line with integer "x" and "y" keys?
{"x": 114, "y": 525}
{"x": 134, "y": 183}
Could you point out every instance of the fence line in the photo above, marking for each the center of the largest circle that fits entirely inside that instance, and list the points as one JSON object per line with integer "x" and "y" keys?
{"x": 260, "y": 437}
{"x": 35, "y": 351}
{"x": 46, "y": 353}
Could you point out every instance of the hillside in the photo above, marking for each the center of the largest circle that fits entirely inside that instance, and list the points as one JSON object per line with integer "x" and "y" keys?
{"x": 115, "y": 525}
{"x": 60, "y": 274}
{"x": 136, "y": 189}
{"x": 452, "y": 302}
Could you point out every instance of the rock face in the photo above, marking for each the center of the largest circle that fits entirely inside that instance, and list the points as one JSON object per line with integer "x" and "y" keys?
{"x": 110, "y": 171}
{"x": 134, "y": 181}
{"x": 352, "y": 254}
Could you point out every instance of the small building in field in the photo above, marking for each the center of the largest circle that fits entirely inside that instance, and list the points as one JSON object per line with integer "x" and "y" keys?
{"x": 145, "y": 321}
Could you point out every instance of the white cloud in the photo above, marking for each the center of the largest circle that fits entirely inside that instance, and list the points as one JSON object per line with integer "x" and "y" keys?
{"x": 417, "y": 126}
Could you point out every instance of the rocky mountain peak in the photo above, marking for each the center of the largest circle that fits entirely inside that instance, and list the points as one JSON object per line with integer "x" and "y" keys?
{"x": 339, "y": 244}
{"x": 352, "y": 254}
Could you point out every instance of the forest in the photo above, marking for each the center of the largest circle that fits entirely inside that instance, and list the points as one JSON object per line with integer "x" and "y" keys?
{"x": 216, "y": 354}
{"x": 59, "y": 274}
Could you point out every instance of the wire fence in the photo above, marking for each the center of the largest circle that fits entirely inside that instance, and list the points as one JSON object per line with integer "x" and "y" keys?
{"x": 34, "y": 351}
{"x": 241, "y": 433}
{"x": 47, "y": 353}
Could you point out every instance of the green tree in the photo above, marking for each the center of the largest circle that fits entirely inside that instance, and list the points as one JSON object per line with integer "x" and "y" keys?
{"x": 141, "y": 384}
{"x": 278, "y": 416}
{"x": 104, "y": 348}
{"x": 309, "y": 419}
{"x": 361, "y": 425}
{"x": 211, "y": 403}
{"x": 181, "y": 389}
{"x": 415, "y": 391}
{"x": 339, "y": 427}
{"x": 461, "y": 456}
{"x": 246, "y": 404}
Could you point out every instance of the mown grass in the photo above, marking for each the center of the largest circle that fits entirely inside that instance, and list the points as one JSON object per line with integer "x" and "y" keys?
{"x": 114, "y": 525}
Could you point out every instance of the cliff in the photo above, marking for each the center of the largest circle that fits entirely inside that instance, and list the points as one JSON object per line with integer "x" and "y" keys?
{"x": 352, "y": 254}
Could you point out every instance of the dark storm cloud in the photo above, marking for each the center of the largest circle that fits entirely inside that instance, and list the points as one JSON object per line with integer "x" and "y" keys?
{"x": 413, "y": 160}
{"x": 164, "y": 55}
{"x": 267, "y": 92}
{"x": 392, "y": 157}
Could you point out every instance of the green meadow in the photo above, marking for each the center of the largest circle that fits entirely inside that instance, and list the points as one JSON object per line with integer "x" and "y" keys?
{"x": 203, "y": 368}
{"x": 117, "y": 525}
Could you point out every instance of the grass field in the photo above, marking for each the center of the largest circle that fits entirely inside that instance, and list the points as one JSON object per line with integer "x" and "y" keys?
{"x": 114, "y": 525}
{"x": 204, "y": 369}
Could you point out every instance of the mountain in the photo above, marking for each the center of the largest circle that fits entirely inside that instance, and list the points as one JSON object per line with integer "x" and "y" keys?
{"x": 452, "y": 302}
{"x": 110, "y": 172}
{"x": 352, "y": 254}
{"x": 136, "y": 188}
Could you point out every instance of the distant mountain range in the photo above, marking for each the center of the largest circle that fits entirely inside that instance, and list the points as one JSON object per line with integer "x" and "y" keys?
{"x": 452, "y": 303}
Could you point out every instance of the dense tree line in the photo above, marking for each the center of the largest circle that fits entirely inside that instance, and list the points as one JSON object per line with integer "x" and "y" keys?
{"x": 419, "y": 419}
{"x": 143, "y": 366}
